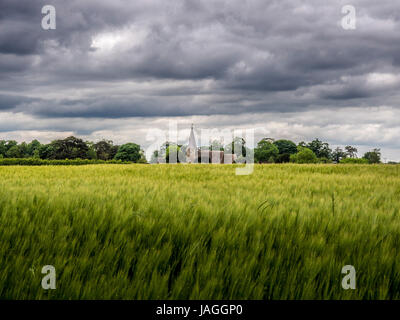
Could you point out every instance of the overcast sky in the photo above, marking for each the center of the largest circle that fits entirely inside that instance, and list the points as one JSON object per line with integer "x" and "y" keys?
{"x": 119, "y": 69}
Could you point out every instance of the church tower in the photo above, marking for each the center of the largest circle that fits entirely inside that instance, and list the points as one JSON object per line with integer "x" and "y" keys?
{"x": 191, "y": 151}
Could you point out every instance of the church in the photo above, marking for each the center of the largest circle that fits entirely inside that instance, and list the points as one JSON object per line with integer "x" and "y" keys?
{"x": 198, "y": 155}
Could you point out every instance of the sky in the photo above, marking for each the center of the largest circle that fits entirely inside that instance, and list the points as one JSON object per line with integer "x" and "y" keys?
{"x": 122, "y": 69}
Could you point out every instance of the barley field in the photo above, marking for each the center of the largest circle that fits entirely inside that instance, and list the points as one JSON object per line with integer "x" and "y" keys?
{"x": 200, "y": 231}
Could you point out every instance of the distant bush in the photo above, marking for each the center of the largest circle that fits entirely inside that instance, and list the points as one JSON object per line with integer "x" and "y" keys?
{"x": 305, "y": 155}
{"x": 67, "y": 162}
{"x": 354, "y": 161}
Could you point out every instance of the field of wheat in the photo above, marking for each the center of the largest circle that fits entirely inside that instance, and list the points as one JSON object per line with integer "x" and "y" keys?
{"x": 200, "y": 231}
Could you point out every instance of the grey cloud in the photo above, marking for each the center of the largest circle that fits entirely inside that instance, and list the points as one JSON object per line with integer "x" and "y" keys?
{"x": 10, "y": 102}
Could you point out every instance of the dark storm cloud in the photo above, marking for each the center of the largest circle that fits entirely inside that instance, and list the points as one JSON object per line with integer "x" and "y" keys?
{"x": 20, "y": 26}
{"x": 116, "y": 107}
{"x": 8, "y": 102}
{"x": 240, "y": 57}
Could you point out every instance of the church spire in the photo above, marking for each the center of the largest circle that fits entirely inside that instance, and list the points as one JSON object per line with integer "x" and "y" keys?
{"x": 192, "y": 147}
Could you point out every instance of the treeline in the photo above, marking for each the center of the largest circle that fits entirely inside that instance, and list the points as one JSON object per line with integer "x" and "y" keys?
{"x": 281, "y": 151}
{"x": 267, "y": 151}
{"x": 41, "y": 162}
{"x": 72, "y": 148}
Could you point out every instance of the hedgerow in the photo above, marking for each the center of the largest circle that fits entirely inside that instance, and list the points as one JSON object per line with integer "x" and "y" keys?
{"x": 66, "y": 162}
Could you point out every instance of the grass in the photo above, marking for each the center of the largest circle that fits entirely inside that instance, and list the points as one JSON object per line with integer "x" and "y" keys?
{"x": 200, "y": 231}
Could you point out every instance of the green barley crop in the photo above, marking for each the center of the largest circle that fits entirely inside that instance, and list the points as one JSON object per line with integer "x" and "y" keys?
{"x": 200, "y": 231}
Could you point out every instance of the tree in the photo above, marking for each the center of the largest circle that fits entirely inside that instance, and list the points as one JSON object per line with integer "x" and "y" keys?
{"x": 10, "y": 144}
{"x": 23, "y": 150}
{"x": 105, "y": 149}
{"x": 164, "y": 147}
{"x": 75, "y": 148}
{"x": 33, "y": 148}
{"x": 68, "y": 148}
{"x": 3, "y": 148}
{"x": 237, "y": 147}
{"x": 373, "y": 156}
{"x": 36, "y": 154}
{"x": 91, "y": 154}
{"x": 129, "y": 152}
{"x": 265, "y": 152}
{"x": 154, "y": 156}
{"x": 162, "y": 152}
{"x": 14, "y": 152}
{"x": 302, "y": 144}
{"x": 286, "y": 146}
{"x": 321, "y": 149}
{"x": 47, "y": 151}
{"x": 175, "y": 154}
{"x": 142, "y": 158}
{"x": 338, "y": 154}
{"x": 305, "y": 155}
{"x": 351, "y": 151}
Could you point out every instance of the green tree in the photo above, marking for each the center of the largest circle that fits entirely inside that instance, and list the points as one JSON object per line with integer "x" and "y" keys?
{"x": 351, "y": 151}
{"x": 47, "y": 151}
{"x": 302, "y": 144}
{"x": 14, "y": 152}
{"x": 105, "y": 149}
{"x": 91, "y": 154}
{"x": 265, "y": 152}
{"x": 154, "y": 156}
{"x": 33, "y": 148}
{"x": 129, "y": 152}
{"x": 10, "y": 144}
{"x": 373, "y": 156}
{"x": 23, "y": 150}
{"x": 321, "y": 149}
{"x": 142, "y": 157}
{"x": 174, "y": 154}
{"x": 338, "y": 154}
{"x": 75, "y": 148}
{"x": 286, "y": 146}
{"x": 3, "y": 148}
{"x": 68, "y": 148}
{"x": 36, "y": 154}
{"x": 305, "y": 155}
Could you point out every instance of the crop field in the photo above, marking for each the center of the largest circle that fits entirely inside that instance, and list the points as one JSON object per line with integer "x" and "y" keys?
{"x": 200, "y": 231}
